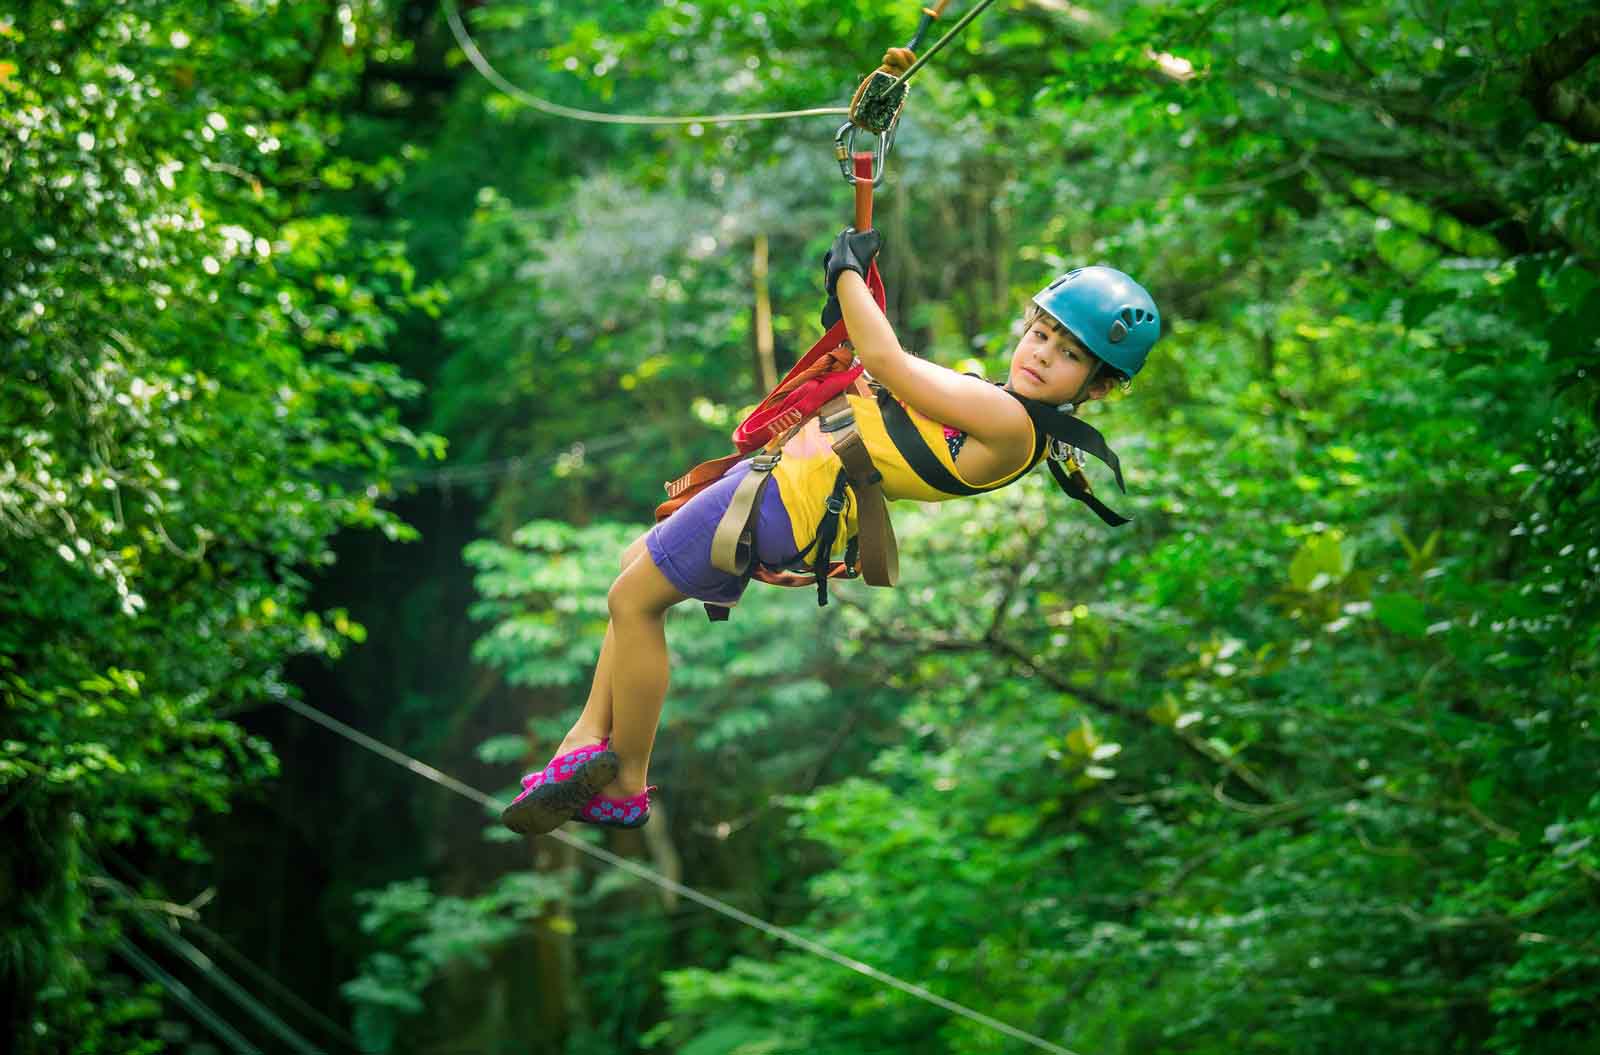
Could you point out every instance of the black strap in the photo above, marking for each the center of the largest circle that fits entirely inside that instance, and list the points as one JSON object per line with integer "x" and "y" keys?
{"x": 1049, "y": 423}
{"x": 903, "y": 433}
{"x": 1073, "y": 489}
{"x": 827, "y": 531}
{"x": 1073, "y": 431}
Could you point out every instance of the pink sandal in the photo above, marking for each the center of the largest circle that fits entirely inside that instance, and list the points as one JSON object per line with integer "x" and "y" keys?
{"x": 551, "y": 796}
{"x": 606, "y": 812}
{"x": 559, "y": 768}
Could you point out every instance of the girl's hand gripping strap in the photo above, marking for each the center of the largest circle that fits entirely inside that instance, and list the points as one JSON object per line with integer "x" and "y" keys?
{"x": 825, "y": 368}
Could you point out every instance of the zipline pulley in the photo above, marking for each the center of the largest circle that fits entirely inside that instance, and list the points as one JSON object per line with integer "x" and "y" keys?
{"x": 879, "y": 101}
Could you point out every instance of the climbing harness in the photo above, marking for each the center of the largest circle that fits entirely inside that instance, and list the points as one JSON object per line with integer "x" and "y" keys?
{"x": 816, "y": 387}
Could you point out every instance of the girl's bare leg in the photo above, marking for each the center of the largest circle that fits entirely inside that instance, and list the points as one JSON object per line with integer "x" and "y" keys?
{"x": 594, "y": 724}
{"x": 639, "y": 600}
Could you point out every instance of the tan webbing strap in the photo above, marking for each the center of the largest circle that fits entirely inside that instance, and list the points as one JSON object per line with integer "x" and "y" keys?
{"x": 733, "y": 544}
{"x": 879, "y": 553}
{"x": 732, "y": 547}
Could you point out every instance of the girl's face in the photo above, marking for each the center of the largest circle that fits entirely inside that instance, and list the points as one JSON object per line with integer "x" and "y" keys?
{"x": 1050, "y": 365}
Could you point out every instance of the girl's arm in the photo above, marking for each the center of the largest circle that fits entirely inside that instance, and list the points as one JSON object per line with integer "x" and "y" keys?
{"x": 967, "y": 403}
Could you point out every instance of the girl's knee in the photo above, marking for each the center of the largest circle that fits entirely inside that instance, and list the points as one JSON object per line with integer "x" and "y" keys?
{"x": 641, "y": 591}
{"x": 623, "y": 604}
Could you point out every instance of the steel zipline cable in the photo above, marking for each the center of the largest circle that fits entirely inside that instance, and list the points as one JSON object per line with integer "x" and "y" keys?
{"x": 649, "y": 875}
{"x": 966, "y": 19}
{"x": 475, "y": 56}
{"x": 470, "y": 49}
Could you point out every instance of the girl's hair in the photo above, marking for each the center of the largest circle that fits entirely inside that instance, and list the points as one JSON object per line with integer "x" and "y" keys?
{"x": 1034, "y": 313}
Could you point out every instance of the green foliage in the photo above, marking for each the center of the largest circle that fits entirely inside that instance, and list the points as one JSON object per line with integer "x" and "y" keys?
{"x": 418, "y": 935}
{"x": 193, "y": 406}
{"x": 1300, "y": 761}
{"x": 1339, "y": 675}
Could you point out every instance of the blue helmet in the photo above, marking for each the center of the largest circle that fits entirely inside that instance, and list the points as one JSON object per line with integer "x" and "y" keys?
{"x": 1109, "y": 312}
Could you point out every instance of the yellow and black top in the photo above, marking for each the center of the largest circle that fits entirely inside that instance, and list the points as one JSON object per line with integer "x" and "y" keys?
{"x": 908, "y": 448}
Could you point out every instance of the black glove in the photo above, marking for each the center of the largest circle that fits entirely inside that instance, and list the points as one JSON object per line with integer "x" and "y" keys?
{"x": 831, "y": 313}
{"x": 853, "y": 250}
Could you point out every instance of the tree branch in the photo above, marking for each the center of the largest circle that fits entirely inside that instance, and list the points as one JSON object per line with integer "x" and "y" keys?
{"x": 1455, "y": 198}
{"x": 995, "y": 644}
{"x": 1559, "y": 59}
{"x": 1429, "y": 235}
{"x": 1569, "y": 110}
{"x": 325, "y": 37}
{"x": 1330, "y": 8}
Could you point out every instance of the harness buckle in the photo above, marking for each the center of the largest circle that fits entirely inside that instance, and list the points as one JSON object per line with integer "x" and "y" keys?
{"x": 835, "y": 504}
{"x": 765, "y": 463}
{"x": 842, "y": 420}
{"x": 1065, "y": 452}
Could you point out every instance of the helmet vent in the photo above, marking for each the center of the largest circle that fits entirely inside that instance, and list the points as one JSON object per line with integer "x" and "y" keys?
{"x": 1118, "y": 331}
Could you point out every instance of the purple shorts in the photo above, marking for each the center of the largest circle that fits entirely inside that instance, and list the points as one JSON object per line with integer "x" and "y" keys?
{"x": 681, "y": 544}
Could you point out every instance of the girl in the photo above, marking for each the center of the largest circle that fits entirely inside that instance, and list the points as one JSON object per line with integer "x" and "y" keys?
{"x": 1090, "y": 329}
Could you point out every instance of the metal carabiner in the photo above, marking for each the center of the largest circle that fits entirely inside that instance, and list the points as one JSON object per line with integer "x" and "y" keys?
{"x": 844, "y": 146}
{"x": 1070, "y": 456}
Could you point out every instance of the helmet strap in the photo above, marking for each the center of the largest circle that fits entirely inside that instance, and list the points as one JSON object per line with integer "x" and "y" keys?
{"x": 1083, "y": 390}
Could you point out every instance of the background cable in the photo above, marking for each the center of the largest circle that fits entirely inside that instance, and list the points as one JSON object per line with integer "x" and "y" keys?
{"x": 649, "y": 875}
{"x": 221, "y": 945}
{"x": 157, "y": 929}
{"x": 168, "y": 927}
{"x": 209, "y": 1018}
{"x": 470, "y": 49}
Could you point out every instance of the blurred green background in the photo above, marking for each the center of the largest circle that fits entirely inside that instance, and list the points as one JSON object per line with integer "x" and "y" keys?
{"x": 333, "y": 373}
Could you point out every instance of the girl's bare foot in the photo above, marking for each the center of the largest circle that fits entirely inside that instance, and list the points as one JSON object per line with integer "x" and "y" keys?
{"x": 576, "y": 739}
{"x": 622, "y": 788}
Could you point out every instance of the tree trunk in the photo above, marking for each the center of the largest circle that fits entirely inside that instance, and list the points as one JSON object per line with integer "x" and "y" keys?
{"x": 560, "y": 998}
{"x": 766, "y": 371}
{"x": 663, "y": 854}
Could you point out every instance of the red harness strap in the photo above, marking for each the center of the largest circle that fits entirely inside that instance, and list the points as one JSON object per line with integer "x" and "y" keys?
{"x": 824, "y": 372}
{"x": 814, "y": 387}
